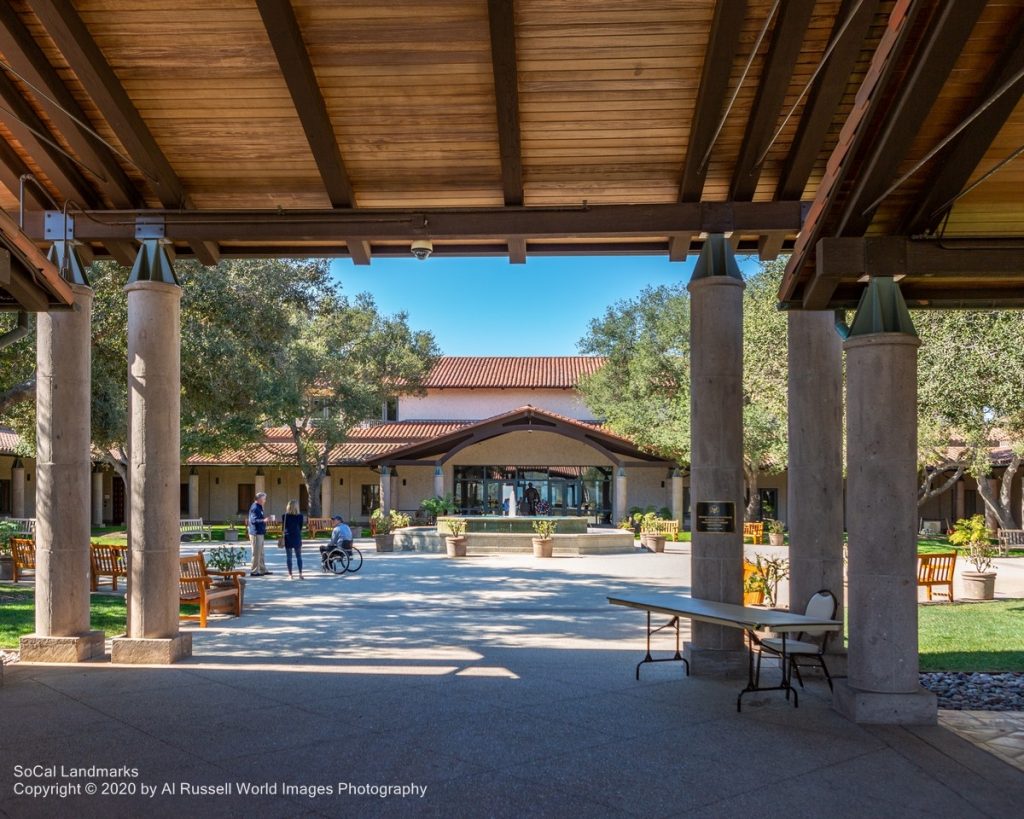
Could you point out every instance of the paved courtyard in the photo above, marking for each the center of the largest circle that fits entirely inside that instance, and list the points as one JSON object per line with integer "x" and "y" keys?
{"x": 497, "y": 686}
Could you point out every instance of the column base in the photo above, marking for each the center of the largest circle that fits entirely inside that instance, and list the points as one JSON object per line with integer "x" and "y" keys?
{"x": 151, "y": 650}
{"x": 715, "y": 662}
{"x": 77, "y": 649}
{"x": 875, "y": 708}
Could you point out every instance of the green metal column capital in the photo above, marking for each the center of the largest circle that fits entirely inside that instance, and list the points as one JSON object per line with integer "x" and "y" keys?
{"x": 716, "y": 259}
{"x": 152, "y": 264}
{"x": 882, "y": 310}
{"x": 65, "y": 258}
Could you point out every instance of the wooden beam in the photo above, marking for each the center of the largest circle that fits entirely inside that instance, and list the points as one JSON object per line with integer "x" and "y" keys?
{"x": 517, "y": 250}
{"x": 71, "y": 36}
{"x": 678, "y": 248}
{"x": 854, "y": 130}
{"x": 769, "y": 246}
{"x": 954, "y": 167}
{"x": 23, "y": 53}
{"x": 593, "y": 221}
{"x": 27, "y": 126}
{"x": 123, "y": 252}
{"x": 851, "y": 257}
{"x": 12, "y": 168}
{"x": 42, "y": 279}
{"x": 723, "y": 42}
{"x": 359, "y": 251}
{"x": 824, "y": 98}
{"x": 208, "y": 253}
{"x": 293, "y": 58}
{"x": 501, "y": 15}
{"x": 944, "y": 39}
{"x": 776, "y": 76}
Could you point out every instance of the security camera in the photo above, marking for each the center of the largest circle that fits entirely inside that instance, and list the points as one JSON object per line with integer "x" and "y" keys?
{"x": 422, "y": 248}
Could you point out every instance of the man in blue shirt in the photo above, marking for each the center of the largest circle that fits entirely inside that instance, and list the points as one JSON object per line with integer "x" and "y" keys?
{"x": 341, "y": 536}
{"x": 257, "y": 530}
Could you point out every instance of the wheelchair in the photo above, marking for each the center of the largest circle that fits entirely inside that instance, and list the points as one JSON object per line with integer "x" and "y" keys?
{"x": 339, "y": 561}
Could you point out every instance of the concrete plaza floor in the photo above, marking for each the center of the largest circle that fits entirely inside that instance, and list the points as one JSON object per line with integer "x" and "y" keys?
{"x": 494, "y": 686}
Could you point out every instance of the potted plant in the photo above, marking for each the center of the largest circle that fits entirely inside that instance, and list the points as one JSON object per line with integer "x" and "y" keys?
{"x": 455, "y": 543}
{"x": 383, "y": 526}
{"x": 776, "y": 531}
{"x": 226, "y": 559}
{"x": 651, "y": 536}
{"x": 8, "y": 529}
{"x": 768, "y": 573}
{"x": 972, "y": 534}
{"x": 544, "y": 544}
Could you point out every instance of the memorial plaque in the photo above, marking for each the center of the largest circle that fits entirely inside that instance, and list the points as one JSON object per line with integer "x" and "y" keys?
{"x": 715, "y": 516}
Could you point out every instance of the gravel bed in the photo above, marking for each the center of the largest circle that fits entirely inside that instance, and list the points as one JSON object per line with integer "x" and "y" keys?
{"x": 976, "y": 691}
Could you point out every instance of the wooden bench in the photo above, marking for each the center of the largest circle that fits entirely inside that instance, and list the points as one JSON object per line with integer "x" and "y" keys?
{"x": 936, "y": 570}
{"x": 1010, "y": 538}
{"x": 316, "y": 525}
{"x": 194, "y": 526}
{"x": 23, "y": 550}
{"x": 107, "y": 561}
{"x": 669, "y": 528}
{"x": 196, "y": 588}
{"x": 755, "y": 531}
{"x": 756, "y": 596}
{"x": 26, "y": 526}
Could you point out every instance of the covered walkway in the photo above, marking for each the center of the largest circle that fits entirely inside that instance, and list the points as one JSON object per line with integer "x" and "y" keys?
{"x": 501, "y": 686}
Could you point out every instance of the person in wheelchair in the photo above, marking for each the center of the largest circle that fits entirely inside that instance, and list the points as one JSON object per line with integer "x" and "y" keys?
{"x": 341, "y": 538}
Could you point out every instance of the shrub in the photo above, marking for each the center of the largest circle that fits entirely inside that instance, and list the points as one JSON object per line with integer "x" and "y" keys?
{"x": 224, "y": 558}
{"x": 8, "y": 529}
{"x": 545, "y": 528}
{"x": 774, "y": 527}
{"x": 456, "y": 526}
{"x": 770, "y": 572}
{"x": 973, "y": 535}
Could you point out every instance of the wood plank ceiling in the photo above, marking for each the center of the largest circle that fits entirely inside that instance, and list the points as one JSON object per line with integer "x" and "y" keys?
{"x": 518, "y": 127}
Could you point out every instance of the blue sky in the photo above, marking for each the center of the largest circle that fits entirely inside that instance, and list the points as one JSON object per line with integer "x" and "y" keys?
{"x": 487, "y": 306}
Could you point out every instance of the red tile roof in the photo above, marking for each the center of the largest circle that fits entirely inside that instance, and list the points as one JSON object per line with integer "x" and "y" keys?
{"x": 8, "y": 441}
{"x": 506, "y": 372}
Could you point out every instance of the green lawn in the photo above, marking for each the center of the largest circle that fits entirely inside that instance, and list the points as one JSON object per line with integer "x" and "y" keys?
{"x": 972, "y": 636}
{"x": 17, "y": 602}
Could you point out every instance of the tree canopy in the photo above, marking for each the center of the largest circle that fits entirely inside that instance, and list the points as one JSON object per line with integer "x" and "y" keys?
{"x": 970, "y": 396}
{"x": 644, "y": 390}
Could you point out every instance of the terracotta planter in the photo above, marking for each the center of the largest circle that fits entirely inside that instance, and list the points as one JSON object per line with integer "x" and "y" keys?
{"x": 979, "y": 585}
{"x": 776, "y": 539}
{"x": 543, "y": 547}
{"x": 653, "y": 541}
{"x": 456, "y": 546}
{"x": 385, "y": 543}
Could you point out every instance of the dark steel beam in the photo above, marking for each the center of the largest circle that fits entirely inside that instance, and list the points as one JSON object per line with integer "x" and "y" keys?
{"x": 23, "y": 53}
{"x": 945, "y": 36}
{"x": 297, "y": 69}
{"x": 597, "y": 221}
{"x": 501, "y": 15}
{"x": 955, "y": 167}
{"x": 824, "y": 98}
{"x": 851, "y": 257}
{"x": 787, "y": 39}
{"x": 723, "y": 42}
{"x": 71, "y": 36}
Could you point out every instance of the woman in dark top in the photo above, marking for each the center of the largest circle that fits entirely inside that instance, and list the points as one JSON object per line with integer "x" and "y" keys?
{"x": 293, "y": 521}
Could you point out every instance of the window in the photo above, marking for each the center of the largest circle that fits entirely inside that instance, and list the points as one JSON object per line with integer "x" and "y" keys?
{"x": 183, "y": 506}
{"x": 390, "y": 410}
{"x": 5, "y": 497}
{"x": 369, "y": 497}
{"x": 246, "y": 495}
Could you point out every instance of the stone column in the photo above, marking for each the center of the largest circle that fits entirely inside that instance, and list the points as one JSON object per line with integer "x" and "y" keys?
{"x": 154, "y": 469}
{"x": 193, "y": 493}
{"x": 991, "y": 521}
{"x": 961, "y": 501}
{"x": 438, "y": 481}
{"x": 63, "y": 487}
{"x": 385, "y": 489}
{"x": 678, "y": 512}
{"x": 815, "y": 498}
{"x": 395, "y": 493}
{"x": 716, "y": 431}
{"x": 326, "y": 495}
{"x": 621, "y": 494}
{"x": 97, "y": 497}
{"x": 18, "y": 489}
{"x": 881, "y": 429}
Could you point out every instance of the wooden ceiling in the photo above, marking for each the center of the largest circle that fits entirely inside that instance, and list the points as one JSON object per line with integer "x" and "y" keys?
{"x": 517, "y": 127}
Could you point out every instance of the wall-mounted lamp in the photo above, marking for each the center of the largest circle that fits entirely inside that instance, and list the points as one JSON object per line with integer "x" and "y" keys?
{"x": 259, "y": 471}
{"x": 216, "y": 480}
{"x": 403, "y": 481}
{"x": 341, "y": 481}
{"x": 662, "y": 484}
{"x": 28, "y": 476}
{"x": 278, "y": 481}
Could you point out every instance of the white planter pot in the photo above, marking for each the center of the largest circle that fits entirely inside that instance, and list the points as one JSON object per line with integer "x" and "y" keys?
{"x": 979, "y": 585}
{"x": 776, "y": 539}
